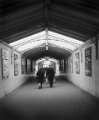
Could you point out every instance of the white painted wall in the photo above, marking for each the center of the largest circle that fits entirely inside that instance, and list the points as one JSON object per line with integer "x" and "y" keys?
{"x": 97, "y": 73}
{"x": 8, "y": 85}
{"x": 81, "y": 80}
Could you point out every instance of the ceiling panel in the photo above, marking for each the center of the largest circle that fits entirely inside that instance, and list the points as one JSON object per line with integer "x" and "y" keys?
{"x": 76, "y": 18}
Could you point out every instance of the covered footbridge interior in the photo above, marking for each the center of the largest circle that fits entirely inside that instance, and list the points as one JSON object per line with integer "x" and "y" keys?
{"x": 63, "y": 34}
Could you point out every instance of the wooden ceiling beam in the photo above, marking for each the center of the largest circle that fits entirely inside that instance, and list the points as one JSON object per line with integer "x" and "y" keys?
{"x": 74, "y": 27}
{"x": 92, "y": 18}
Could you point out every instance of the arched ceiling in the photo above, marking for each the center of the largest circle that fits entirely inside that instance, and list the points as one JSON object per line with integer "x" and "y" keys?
{"x": 54, "y": 52}
{"x": 76, "y": 18}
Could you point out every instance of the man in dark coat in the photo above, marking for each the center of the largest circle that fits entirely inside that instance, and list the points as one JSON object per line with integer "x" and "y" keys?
{"x": 50, "y": 76}
{"x": 40, "y": 77}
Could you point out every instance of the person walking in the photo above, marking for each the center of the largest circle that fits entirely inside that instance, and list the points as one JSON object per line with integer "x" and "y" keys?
{"x": 50, "y": 76}
{"x": 40, "y": 77}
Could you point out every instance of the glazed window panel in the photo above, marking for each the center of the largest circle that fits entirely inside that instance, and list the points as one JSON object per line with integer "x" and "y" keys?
{"x": 33, "y": 66}
{"x": 71, "y": 64}
{"x": 77, "y": 63}
{"x": 88, "y": 61}
{"x": 28, "y": 66}
{"x": 16, "y": 72}
{"x": 23, "y": 65}
{"x": 62, "y": 65}
{"x": 5, "y": 63}
{"x": 0, "y": 65}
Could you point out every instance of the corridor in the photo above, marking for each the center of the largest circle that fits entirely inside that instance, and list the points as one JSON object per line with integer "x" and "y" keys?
{"x": 62, "y": 102}
{"x": 43, "y": 39}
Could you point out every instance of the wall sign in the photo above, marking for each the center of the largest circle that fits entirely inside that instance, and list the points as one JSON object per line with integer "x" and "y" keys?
{"x": 88, "y": 61}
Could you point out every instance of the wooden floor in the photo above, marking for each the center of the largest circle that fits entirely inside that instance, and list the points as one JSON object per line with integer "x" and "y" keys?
{"x": 62, "y": 102}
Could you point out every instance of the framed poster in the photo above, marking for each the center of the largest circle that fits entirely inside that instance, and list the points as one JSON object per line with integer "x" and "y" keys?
{"x": 5, "y": 63}
{"x": 77, "y": 63}
{"x": 88, "y": 61}
{"x": 16, "y": 72}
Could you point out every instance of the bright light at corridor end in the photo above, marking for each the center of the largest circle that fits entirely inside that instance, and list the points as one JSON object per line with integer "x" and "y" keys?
{"x": 40, "y": 38}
